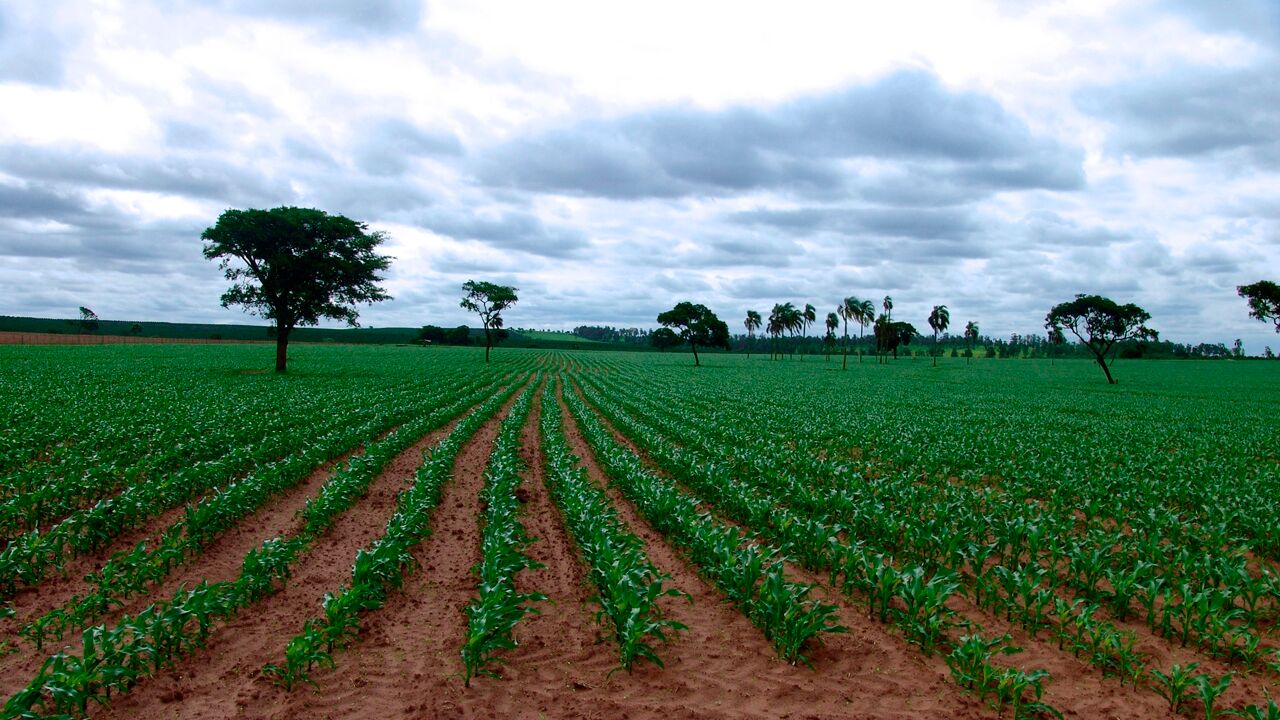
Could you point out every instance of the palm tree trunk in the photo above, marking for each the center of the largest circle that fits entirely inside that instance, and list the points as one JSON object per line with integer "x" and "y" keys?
{"x": 844, "y": 348}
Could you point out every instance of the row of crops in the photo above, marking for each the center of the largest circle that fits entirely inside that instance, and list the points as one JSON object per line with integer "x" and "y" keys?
{"x": 939, "y": 503}
{"x": 1072, "y": 534}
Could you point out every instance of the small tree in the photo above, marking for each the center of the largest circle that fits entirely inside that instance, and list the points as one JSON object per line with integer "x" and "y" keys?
{"x": 135, "y": 329}
{"x": 1056, "y": 339}
{"x": 883, "y": 322}
{"x": 752, "y": 323}
{"x": 807, "y": 318}
{"x": 696, "y": 325}
{"x": 1264, "y": 301}
{"x": 939, "y": 319}
{"x": 300, "y": 265}
{"x": 664, "y": 339}
{"x": 488, "y": 300}
{"x": 1100, "y": 324}
{"x": 829, "y": 340}
{"x": 88, "y": 320}
{"x": 891, "y": 335}
{"x": 1237, "y": 348}
{"x": 970, "y": 337}
{"x": 783, "y": 318}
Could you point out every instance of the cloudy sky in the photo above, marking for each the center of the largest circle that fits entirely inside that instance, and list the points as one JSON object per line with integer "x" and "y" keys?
{"x": 610, "y": 159}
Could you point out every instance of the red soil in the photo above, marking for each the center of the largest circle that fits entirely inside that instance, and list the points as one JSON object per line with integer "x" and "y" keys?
{"x": 224, "y": 678}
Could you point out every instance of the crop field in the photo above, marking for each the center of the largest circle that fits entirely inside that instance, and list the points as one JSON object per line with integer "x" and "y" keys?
{"x": 392, "y": 532}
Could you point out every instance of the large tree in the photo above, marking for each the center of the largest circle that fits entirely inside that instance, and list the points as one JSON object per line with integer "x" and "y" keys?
{"x": 752, "y": 323}
{"x": 488, "y": 300}
{"x": 939, "y": 319}
{"x": 1100, "y": 324}
{"x": 696, "y": 325}
{"x": 299, "y": 265}
{"x": 1264, "y": 301}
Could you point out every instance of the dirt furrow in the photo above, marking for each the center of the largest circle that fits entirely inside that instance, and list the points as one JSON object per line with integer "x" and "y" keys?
{"x": 723, "y": 667}
{"x": 406, "y": 661}
{"x": 224, "y": 678}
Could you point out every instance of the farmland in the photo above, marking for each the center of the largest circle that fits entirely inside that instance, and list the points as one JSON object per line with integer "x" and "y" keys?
{"x": 409, "y": 532}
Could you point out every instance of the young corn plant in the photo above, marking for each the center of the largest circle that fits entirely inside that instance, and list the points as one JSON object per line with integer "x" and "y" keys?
{"x": 628, "y": 585}
{"x": 494, "y": 613}
{"x": 1174, "y": 685}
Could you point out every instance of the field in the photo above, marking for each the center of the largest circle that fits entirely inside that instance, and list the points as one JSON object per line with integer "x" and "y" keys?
{"x": 408, "y": 532}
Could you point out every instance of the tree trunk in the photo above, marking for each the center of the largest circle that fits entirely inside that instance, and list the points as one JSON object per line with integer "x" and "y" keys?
{"x": 694, "y": 348}
{"x": 844, "y": 349}
{"x": 487, "y": 343}
{"x": 282, "y": 347}
{"x": 1102, "y": 363}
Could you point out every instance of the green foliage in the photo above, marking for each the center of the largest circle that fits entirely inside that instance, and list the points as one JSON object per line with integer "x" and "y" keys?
{"x": 696, "y": 325}
{"x": 488, "y": 300}
{"x": 1263, "y": 298}
{"x": 494, "y": 613}
{"x": 297, "y": 265}
{"x": 1100, "y": 323}
{"x": 628, "y": 585}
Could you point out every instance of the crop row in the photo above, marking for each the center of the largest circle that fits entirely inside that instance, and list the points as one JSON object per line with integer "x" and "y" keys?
{"x": 129, "y": 574}
{"x": 27, "y": 558}
{"x": 751, "y": 576}
{"x": 381, "y": 567}
{"x": 628, "y": 586}
{"x": 492, "y": 615}
{"x": 116, "y": 658}
{"x": 932, "y": 524}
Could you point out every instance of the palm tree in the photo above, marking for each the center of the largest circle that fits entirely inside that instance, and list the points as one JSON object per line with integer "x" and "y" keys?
{"x": 887, "y": 304}
{"x": 970, "y": 336}
{"x": 1056, "y": 338}
{"x": 753, "y": 324}
{"x": 846, "y": 310}
{"x": 810, "y": 315}
{"x": 865, "y": 314}
{"x": 780, "y": 321}
{"x": 939, "y": 319}
{"x": 833, "y": 324}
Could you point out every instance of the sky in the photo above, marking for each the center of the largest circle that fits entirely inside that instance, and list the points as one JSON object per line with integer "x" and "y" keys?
{"x": 611, "y": 159}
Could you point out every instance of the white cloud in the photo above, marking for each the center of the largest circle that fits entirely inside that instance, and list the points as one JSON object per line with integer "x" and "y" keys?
{"x": 611, "y": 159}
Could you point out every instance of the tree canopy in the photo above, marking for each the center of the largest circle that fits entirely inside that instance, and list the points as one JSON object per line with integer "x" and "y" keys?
{"x": 696, "y": 325}
{"x": 1100, "y": 323}
{"x": 88, "y": 320}
{"x": 939, "y": 320}
{"x": 664, "y": 339}
{"x": 299, "y": 265}
{"x": 488, "y": 300}
{"x": 1264, "y": 301}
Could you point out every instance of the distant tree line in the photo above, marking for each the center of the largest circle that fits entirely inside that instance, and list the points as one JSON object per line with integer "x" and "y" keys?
{"x": 607, "y": 333}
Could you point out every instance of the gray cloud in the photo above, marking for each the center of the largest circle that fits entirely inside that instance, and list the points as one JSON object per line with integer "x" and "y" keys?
{"x": 1052, "y": 231}
{"x": 925, "y": 223}
{"x": 387, "y": 145}
{"x": 1193, "y": 111}
{"x": 203, "y": 177}
{"x": 964, "y": 138}
{"x": 509, "y": 230}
